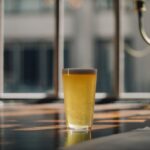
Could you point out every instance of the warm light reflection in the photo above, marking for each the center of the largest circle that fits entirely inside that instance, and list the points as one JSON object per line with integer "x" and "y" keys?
{"x": 51, "y": 121}
{"x": 101, "y": 127}
{"x": 60, "y": 106}
{"x": 102, "y": 116}
{"x": 98, "y": 127}
{"x": 120, "y": 121}
{"x": 17, "y": 110}
{"x": 26, "y": 112}
{"x": 106, "y": 107}
{"x": 140, "y": 117}
{"x": 63, "y": 128}
{"x": 20, "y": 106}
{"x": 106, "y": 115}
{"x": 41, "y": 128}
{"x": 120, "y": 114}
{"x": 2, "y": 126}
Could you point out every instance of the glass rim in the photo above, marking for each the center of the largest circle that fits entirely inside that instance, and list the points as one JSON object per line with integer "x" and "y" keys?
{"x": 79, "y": 70}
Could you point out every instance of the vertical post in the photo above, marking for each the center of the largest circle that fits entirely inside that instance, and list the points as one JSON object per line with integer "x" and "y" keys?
{"x": 1, "y": 45}
{"x": 119, "y": 51}
{"x": 1, "y": 68}
{"x": 59, "y": 44}
{"x": 83, "y": 36}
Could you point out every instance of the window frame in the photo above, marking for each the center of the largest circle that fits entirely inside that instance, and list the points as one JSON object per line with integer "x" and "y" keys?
{"x": 120, "y": 58}
{"x": 57, "y": 45}
{"x": 118, "y": 74}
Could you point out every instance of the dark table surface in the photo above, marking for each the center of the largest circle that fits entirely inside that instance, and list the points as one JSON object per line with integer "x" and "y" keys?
{"x": 42, "y": 127}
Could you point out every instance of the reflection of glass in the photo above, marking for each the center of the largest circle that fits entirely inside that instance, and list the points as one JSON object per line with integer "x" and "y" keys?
{"x": 79, "y": 91}
{"x": 77, "y": 137}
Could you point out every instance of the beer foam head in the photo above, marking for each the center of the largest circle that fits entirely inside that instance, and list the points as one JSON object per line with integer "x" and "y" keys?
{"x": 79, "y": 71}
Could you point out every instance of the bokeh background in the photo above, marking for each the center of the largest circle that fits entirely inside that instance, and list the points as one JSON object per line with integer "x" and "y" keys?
{"x": 88, "y": 42}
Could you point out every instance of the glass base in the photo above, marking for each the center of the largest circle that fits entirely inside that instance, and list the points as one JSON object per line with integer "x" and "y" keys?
{"x": 79, "y": 127}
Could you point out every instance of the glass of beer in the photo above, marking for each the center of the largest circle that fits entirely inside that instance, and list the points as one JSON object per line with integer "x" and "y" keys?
{"x": 79, "y": 97}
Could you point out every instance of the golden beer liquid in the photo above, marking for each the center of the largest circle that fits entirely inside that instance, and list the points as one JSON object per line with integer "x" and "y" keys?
{"x": 76, "y": 137}
{"x": 79, "y": 93}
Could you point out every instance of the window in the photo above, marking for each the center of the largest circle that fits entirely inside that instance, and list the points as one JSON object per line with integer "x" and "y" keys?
{"x": 96, "y": 33}
{"x": 136, "y": 52}
{"x": 29, "y": 49}
{"x": 88, "y": 36}
{"x": 104, "y": 34}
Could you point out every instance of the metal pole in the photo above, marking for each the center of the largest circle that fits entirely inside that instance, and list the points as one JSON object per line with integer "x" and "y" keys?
{"x": 119, "y": 51}
{"x": 1, "y": 46}
{"x": 59, "y": 53}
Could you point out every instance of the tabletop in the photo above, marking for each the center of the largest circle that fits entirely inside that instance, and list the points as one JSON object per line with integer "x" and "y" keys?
{"x": 34, "y": 126}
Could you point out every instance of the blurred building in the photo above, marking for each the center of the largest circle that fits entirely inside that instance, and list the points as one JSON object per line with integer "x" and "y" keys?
{"x": 89, "y": 41}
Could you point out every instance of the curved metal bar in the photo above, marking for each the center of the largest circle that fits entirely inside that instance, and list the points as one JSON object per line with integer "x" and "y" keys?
{"x": 140, "y": 6}
{"x": 141, "y": 29}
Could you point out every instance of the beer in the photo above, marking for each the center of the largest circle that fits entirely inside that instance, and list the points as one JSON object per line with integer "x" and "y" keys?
{"x": 77, "y": 137}
{"x": 79, "y": 95}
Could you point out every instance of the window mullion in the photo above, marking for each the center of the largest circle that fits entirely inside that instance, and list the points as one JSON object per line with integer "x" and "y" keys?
{"x": 1, "y": 46}
{"x": 60, "y": 44}
{"x": 119, "y": 51}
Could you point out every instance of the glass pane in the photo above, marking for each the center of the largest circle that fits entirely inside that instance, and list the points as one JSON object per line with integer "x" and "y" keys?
{"x": 29, "y": 53}
{"x": 137, "y": 52}
{"x": 89, "y": 33}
